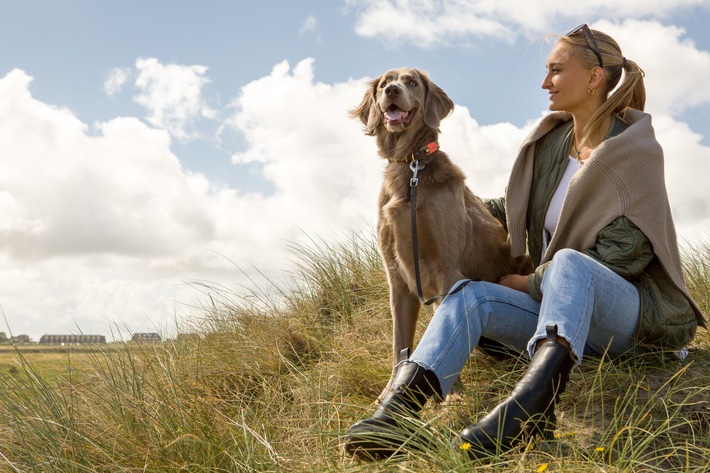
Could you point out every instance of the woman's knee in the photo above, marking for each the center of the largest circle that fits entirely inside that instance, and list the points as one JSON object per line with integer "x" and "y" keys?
{"x": 564, "y": 263}
{"x": 568, "y": 258}
{"x": 567, "y": 255}
{"x": 473, "y": 288}
{"x": 459, "y": 286}
{"x": 472, "y": 297}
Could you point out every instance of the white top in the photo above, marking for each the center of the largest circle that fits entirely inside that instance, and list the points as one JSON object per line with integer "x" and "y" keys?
{"x": 555, "y": 207}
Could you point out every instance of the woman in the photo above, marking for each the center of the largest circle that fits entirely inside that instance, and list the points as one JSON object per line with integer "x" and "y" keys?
{"x": 587, "y": 198}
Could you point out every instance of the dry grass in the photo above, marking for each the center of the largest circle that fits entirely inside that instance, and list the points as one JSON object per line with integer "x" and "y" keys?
{"x": 278, "y": 377}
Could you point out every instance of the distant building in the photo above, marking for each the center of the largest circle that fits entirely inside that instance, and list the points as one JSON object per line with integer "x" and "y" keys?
{"x": 71, "y": 339}
{"x": 146, "y": 337}
{"x": 20, "y": 339}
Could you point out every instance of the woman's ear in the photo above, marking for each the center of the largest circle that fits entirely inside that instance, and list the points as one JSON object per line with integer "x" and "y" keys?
{"x": 597, "y": 77}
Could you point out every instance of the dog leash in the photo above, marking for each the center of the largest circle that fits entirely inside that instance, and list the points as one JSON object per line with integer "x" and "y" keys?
{"x": 416, "y": 166}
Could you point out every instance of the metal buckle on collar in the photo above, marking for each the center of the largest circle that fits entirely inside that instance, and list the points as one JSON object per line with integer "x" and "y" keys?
{"x": 415, "y": 166}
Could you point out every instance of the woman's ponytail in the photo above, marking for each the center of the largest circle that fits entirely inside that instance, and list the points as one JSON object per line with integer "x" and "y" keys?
{"x": 623, "y": 86}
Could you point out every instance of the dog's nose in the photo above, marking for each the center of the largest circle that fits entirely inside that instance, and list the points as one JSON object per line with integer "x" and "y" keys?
{"x": 391, "y": 91}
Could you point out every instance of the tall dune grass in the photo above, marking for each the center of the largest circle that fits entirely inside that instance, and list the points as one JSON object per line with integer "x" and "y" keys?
{"x": 279, "y": 375}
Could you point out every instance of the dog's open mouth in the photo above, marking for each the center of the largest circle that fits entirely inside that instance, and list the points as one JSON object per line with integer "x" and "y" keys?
{"x": 396, "y": 116}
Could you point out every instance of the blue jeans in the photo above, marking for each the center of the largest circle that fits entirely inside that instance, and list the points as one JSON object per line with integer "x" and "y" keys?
{"x": 595, "y": 310}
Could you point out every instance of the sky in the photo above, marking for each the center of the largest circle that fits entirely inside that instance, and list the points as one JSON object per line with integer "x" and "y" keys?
{"x": 150, "y": 149}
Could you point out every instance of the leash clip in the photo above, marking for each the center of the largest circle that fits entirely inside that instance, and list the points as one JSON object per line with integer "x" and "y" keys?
{"x": 415, "y": 166}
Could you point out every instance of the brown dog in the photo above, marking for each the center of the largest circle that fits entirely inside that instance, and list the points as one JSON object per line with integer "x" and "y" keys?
{"x": 458, "y": 238}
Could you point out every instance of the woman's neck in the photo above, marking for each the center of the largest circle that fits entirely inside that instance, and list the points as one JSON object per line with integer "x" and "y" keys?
{"x": 588, "y": 141}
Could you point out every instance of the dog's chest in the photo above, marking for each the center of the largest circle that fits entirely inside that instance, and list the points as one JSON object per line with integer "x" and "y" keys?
{"x": 396, "y": 198}
{"x": 438, "y": 182}
{"x": 396, "y": 187}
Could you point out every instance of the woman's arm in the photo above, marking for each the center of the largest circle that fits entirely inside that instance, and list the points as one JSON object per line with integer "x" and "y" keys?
{"x": 497, "y": 208}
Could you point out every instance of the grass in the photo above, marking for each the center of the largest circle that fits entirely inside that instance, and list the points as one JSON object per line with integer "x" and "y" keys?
{"x": 278, "y": 376}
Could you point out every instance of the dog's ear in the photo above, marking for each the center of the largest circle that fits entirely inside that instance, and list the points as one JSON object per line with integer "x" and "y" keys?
{"x": 437, "y": 105}
{"x": 368, "y": 112}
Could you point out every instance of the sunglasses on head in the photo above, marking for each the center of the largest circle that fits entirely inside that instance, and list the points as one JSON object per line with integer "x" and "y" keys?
{"x": 591, "y": 42}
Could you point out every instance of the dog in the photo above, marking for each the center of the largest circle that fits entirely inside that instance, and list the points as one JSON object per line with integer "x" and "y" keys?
{"x": 458, "y": 238}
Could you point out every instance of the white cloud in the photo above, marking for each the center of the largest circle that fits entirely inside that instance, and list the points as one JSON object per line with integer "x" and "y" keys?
{"x": 429, "y": 23}
{"x": 309, "y": 25}
{"x": 97, "y": 225}
{"x": 687, "y": 166}
{"x": 173, "y": 95}
{"x": 310, "y": 149}
{"x": 676, "y": 70}
{"x": 485, "y": 153}
{"x": 71, "y": 193}
{"x": 115, "y": 81}
{"x": 102, "y": 223}
{"x": 73, "y": 295}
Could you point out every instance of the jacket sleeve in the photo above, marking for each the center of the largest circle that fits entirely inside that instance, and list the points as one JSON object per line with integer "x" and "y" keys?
{"x": 621, "y": 246}
{"x": 497, "y": 208}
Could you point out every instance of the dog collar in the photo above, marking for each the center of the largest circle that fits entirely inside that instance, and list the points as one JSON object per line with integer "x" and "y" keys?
{"x": 422, "y": 154}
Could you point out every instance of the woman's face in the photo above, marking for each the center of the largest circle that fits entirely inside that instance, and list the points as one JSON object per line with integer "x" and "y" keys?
{"x": 567, "y": 81}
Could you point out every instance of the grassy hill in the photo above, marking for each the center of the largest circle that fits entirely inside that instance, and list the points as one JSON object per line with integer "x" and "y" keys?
{"x": 278, "y": 376}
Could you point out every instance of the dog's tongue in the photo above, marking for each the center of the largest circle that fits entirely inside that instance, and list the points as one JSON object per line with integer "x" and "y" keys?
{"x": 394, "y": 115}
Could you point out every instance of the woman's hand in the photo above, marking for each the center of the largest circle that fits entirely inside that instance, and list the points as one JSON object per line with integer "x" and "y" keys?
{"x": 515, "y": 281}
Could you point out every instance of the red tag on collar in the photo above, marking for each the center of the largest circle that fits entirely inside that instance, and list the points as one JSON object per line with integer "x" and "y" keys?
{"x": 432, "y": 147}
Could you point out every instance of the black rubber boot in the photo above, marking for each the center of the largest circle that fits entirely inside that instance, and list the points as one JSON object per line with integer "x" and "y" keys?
{"x": 389, "y": 428}
{"x": 529, "y": 408}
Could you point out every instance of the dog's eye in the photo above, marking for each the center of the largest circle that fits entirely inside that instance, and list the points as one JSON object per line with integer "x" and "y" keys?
{"x": 412, "y": 83}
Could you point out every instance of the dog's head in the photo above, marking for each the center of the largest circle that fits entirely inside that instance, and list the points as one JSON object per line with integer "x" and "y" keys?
{"x": 401, "y": 98}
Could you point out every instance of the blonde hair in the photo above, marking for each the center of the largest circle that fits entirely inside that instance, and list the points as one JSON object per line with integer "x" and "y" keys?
{"x": 631, "y": 92}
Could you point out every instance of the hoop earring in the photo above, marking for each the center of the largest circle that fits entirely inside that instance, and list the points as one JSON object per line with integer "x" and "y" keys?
{"x": 592, "y": 90}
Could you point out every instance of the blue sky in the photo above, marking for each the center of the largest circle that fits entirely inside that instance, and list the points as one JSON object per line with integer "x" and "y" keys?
{"x": 145, "y": 145}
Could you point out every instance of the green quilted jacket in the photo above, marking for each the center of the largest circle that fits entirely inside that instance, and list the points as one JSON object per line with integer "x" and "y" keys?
{"x": 667, "y": 319}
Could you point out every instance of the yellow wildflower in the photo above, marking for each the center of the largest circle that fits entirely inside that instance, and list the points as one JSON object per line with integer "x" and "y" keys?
{"x": 465, "y": 446}
{"x": 542, "y": 468}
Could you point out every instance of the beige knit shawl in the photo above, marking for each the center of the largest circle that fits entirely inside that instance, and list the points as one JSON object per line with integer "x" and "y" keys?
{"x": 623, "y": 176}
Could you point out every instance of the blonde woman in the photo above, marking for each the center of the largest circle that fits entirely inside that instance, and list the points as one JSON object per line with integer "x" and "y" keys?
{"x": 587, "y": 198}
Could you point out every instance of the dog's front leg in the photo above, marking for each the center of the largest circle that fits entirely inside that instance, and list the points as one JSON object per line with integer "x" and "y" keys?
{"x": 405, "y": 308}
{"x": 405, "y": 312}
